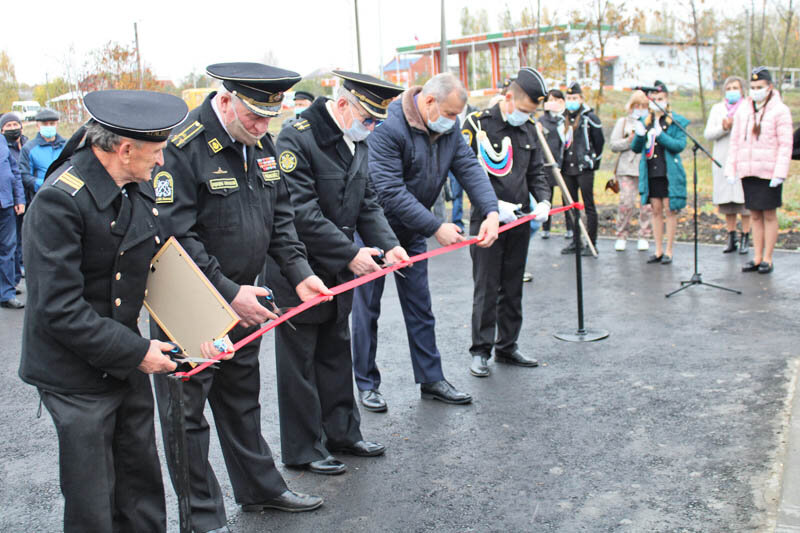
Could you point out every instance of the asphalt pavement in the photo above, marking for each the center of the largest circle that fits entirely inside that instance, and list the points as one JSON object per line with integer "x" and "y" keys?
{"x": 678, "y": 421}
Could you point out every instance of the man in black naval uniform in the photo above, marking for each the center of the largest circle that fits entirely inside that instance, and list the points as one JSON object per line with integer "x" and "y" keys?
{"x": 505, "y": 140}
{"x": 90, "y": 234}
{"x": 222, "y": 196}
{"x": 324, "y": 161}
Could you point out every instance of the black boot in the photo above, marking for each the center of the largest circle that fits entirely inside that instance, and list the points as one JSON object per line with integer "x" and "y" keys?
{"x": 732, "y": 246}
{"x": 744, "y": 244}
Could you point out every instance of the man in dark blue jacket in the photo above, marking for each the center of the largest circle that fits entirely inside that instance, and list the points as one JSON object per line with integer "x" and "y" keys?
{"x": 12, "y": 203}
{"x": 410, "y": 155}
{"x": 11, "y": 128}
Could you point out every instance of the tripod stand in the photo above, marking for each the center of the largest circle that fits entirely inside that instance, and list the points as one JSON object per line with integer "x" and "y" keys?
{"x": 697, "y": 278}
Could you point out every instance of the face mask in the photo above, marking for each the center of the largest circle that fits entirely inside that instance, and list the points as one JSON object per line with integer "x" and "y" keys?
{"x": 573, "y": 106}
{"x": 759, "y": 95}
{"x": 239, "y": 132}
{"x": 518, "y": 118}
{"x": 655, "y": 107}
{"x": 357, "y": 130}
{"x": 639, "y": 113}
{"x": 732, "y": 96}
{"x": 442, "y": 124}
{"x": 47, "y": 131}
{"x": 556, "y": 114}
{"x": 297, "y": 111}
{"x": 12, "y": 135}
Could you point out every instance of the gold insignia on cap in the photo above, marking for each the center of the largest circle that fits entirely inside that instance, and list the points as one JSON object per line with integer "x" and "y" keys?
{"x": 383, "y": 104}
{"x": 215, "y": 145}
{"x": 755, "y": 77}
{"x": 288, "y": 161}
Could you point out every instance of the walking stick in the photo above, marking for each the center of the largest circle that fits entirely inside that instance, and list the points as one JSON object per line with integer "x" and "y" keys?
{"x": 551, "y": 162}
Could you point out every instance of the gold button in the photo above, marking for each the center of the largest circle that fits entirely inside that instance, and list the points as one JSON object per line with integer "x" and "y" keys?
{"x": 155, "y": 211}
{"x": 118, "y": 276}
{"x": 528, "y": 146}
{"x": 145, "y": 293}
{"x": 117, "y": 302}
{"x": 158, "y": 241}
{"x": 113, "y": 222}
{"x": 122, "y": 253}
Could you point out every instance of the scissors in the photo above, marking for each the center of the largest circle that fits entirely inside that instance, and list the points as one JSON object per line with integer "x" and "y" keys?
{"x": 270, "y": 299}
{"x": 193, "y": 360}
{"x": 381, "y": 260}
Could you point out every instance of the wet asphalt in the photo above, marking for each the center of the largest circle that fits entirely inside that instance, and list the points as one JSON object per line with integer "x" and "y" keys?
{"x": 675, "y": 422}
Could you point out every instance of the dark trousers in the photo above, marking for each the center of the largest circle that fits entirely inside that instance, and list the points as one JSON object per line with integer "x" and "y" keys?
{"x": 8, "y": 250}
{"x": 315, "y": 390}
{"x": 567, "y": 217}
{"x": 585, "y": 182}
{"x": 232, "y": 392}
{"x": 18, "y": 255}
{"x": 415, "y": 302}
{"x": 108, "y": 463}
{"x": 497, "y": 296}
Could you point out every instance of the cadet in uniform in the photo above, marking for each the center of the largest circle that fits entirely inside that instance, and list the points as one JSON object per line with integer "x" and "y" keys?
{"x": 505, "y": 140}
{"x": 324, "y": 161}
{"x": 90, "y": 234}
{"x": 221, "y": 195}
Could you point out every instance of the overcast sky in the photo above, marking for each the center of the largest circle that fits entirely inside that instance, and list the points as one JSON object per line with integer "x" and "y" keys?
{"x": 177, "y": 37}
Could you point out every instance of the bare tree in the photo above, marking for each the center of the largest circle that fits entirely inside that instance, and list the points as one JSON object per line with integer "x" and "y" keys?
{"x": 697, "y": 42}
{"x": 788, "y": 17}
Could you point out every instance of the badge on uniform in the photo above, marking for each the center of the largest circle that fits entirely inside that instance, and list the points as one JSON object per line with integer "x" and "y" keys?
{"x": 288, "y": 161}
{"x": 267, "y": 163}
{"x": 164, "y": 188}
{"x": 215, "y": 145}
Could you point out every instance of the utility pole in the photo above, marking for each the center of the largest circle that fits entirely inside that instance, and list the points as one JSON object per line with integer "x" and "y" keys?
{"x": 380, "y": 38}
{"x": 443, "y": 54}
{"x": 358, "y": 36}
{"x": 138, "y": 55}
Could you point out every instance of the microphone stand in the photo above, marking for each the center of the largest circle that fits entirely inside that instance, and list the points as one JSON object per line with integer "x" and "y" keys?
{"x": 697, "y": 277}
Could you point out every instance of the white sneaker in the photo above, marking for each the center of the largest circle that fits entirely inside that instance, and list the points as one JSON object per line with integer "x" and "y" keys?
{"x": 643, "y": 245}
{"x": 620, "y": 245}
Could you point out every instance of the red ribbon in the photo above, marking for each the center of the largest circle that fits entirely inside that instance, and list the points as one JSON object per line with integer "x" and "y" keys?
{"x": 361, "y": 280}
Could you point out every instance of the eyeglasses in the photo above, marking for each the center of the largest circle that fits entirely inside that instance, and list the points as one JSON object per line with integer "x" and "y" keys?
{"x": 368, "y": 121}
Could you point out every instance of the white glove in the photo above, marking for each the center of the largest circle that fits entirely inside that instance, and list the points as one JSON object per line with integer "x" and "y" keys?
{"x": 776, "y": 182}
{"x": 639, "y": 128}
{"x": 730, "y": 179}
{"x": 542, "y": 211}
{"x": 657, "y": 127}
{"x": 506, "y": 211}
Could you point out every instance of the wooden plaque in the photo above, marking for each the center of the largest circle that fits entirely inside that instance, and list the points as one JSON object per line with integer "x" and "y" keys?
{"x": 183, "y": 302}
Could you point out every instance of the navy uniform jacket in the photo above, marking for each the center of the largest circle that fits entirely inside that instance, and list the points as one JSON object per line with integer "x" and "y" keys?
{"x": 87, "y": 261}
{"x": 332, "y": 198}
{"x": 227, "y": 212}
{"x": 527, "y": 170}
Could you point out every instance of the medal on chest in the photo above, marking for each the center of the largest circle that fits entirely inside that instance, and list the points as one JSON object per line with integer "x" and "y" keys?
{"x": 495, "y": 163}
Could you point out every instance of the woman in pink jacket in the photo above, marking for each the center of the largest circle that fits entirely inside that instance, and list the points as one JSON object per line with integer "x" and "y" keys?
{"x": 759, "y": 155}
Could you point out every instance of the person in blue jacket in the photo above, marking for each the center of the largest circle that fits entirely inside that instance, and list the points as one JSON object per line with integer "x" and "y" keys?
{"x": 40, "y": 152}
{"x": 410, "y": 155}
{"x": 11, "y": 128}
{"x": 662, "y": 179}
{"x": 12, "y": 203}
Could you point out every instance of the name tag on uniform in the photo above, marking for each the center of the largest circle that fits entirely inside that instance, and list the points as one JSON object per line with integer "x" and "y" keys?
{"x": 223, "y": 183}
{"x": 272, "y": 175}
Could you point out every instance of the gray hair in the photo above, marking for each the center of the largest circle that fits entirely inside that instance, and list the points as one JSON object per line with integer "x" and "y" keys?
{"x": 106, "y": 140}
{"x": 341, "y": 92}
{"x": 442, "y": 85}
{"x": 733, "y": 78}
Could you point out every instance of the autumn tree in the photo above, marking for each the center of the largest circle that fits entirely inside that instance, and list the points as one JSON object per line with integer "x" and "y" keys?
{"x": 45, "y": 91}
{"x": 114, "y": 66}
{"x": 8, "y": 82}
{"x": 477, "y": 63}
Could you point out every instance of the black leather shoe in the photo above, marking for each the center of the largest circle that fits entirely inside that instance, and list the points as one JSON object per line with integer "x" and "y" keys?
{"x": 750, "y": 266}
{"x": 765, "y": 268}
{"x": 289, "y": 501}
{"x": 666, "y": 259}
{"x": 655, "y": 258}
{"x": 587, "y": 252}
{"x": 372, "y": 400}
{"x": 732, "y": 245}
{"x": 362, "y": 448}
{"x": 514, "y": 358}
{"x": 13, "y": 303}
{"x": 480, "y": 366}
{"x": 223, "y": 529}
{"x": 444, "y": 392}
{"x": 744, "y": 244}
{"x": 569, "y": 249}
{"x": 330, "y": 466}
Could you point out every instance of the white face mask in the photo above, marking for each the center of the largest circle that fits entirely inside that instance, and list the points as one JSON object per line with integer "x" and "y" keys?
{"x": 639, "y": 113}
{"x": 759, "y": 95}
{"x": 654, "y": 107}
{"x": 239, "y": 132}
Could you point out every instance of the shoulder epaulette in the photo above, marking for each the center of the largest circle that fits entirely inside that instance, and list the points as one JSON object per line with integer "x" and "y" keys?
{"x": 189, "y": 133}
{"x": 301, "y": 125}
{"x": 475, "y": 113}
{"x": 68, "y": 182}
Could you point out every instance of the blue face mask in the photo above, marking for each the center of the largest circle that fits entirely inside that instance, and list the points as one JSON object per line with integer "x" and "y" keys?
{"x": 298, "y": 110}
{"x": 518, "y": 118}
{"x": 441, "y": 124}
{"x": 573, "y": 106}
{"x": 47, "y": 131}
{"x": 733, "y": 96}
{"x": 357, "y": 130}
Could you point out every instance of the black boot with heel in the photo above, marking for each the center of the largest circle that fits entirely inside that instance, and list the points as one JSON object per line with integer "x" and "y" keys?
{"x": 744, "y": 244}
{"x": 732, "y": 245}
